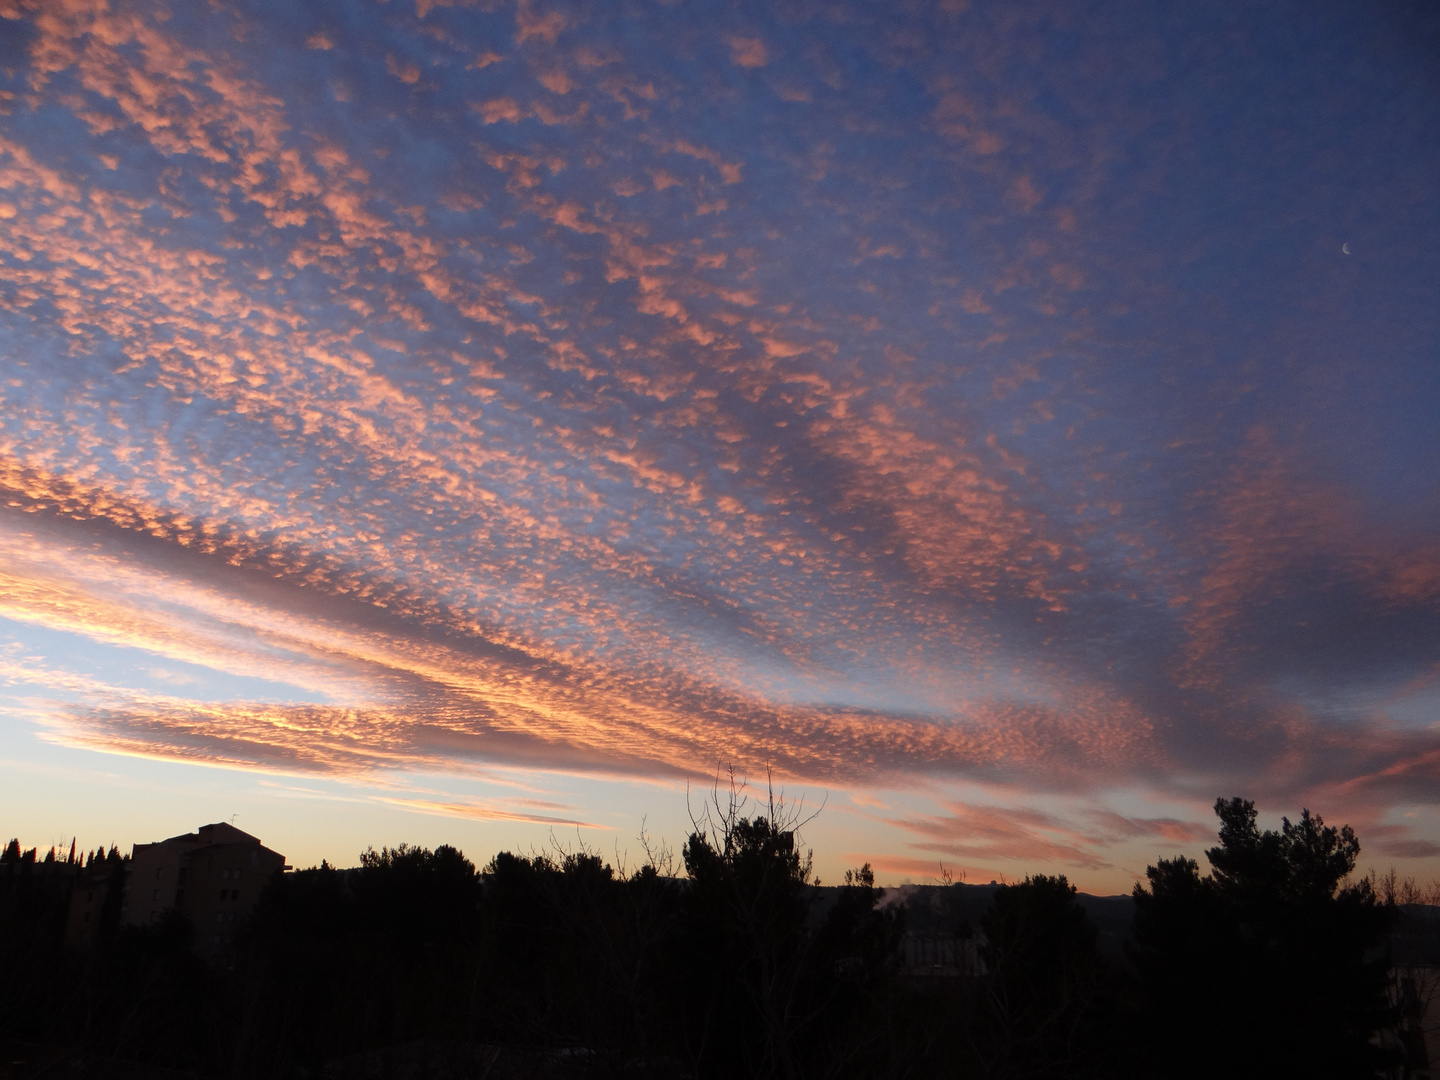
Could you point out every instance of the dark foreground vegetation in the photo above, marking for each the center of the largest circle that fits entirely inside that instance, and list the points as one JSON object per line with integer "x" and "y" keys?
{"x": 1275, "y": 963}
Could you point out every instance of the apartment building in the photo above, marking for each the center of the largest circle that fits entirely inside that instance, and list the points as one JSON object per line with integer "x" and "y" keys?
{"x": 214, "y": 875}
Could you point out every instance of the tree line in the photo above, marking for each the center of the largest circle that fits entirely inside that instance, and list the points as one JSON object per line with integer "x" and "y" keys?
{"x": 1277, "y": 962}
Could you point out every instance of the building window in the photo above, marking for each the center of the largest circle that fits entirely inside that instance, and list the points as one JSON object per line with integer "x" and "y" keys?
{"x": 157, "y": 895}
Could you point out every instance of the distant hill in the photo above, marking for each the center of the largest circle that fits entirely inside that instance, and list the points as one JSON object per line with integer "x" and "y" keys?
{"x": 941, "y": 909}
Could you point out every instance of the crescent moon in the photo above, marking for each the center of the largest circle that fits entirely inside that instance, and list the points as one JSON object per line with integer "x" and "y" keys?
{"x": 1345, "y": 248}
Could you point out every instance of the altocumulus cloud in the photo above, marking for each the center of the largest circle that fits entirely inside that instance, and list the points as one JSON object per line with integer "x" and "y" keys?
{"x": 872, "y": 396}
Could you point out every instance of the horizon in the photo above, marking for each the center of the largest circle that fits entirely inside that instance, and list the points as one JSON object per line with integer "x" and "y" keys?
{"x": 459, "y": 422}
{"x": 625, "y": 864}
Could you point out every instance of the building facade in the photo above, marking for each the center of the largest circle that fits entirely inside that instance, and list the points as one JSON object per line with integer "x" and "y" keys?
{"x": 94, "y": 896}
{"x": 213, "y": 875}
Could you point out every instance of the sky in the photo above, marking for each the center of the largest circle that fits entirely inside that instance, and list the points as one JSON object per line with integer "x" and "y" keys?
{"x": 1008, "y": 426}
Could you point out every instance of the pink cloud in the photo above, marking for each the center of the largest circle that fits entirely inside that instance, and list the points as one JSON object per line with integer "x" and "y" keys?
{"x": 614, "y": 423}
{"x": 405, "y": 71}
{"x": 531, "y": 25}
{"x": 748, "y": 52}
{"x": 500, "y": 109}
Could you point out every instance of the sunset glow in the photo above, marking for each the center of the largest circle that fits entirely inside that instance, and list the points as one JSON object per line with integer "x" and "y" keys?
{"x": 459, "y": 421}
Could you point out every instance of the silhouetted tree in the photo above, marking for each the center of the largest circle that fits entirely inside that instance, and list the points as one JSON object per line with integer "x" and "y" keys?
{"x": 305, "y": 977}
{"x": 748, "y": 902}
{"x": 1269, "y": 966}
{"x": 350, "y": 960}
{"x": 1415, "y": 970}
{"x": 575, "y": 953}
{"x": 1043, "y": 1006}
{"x": 853, "y": 996}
